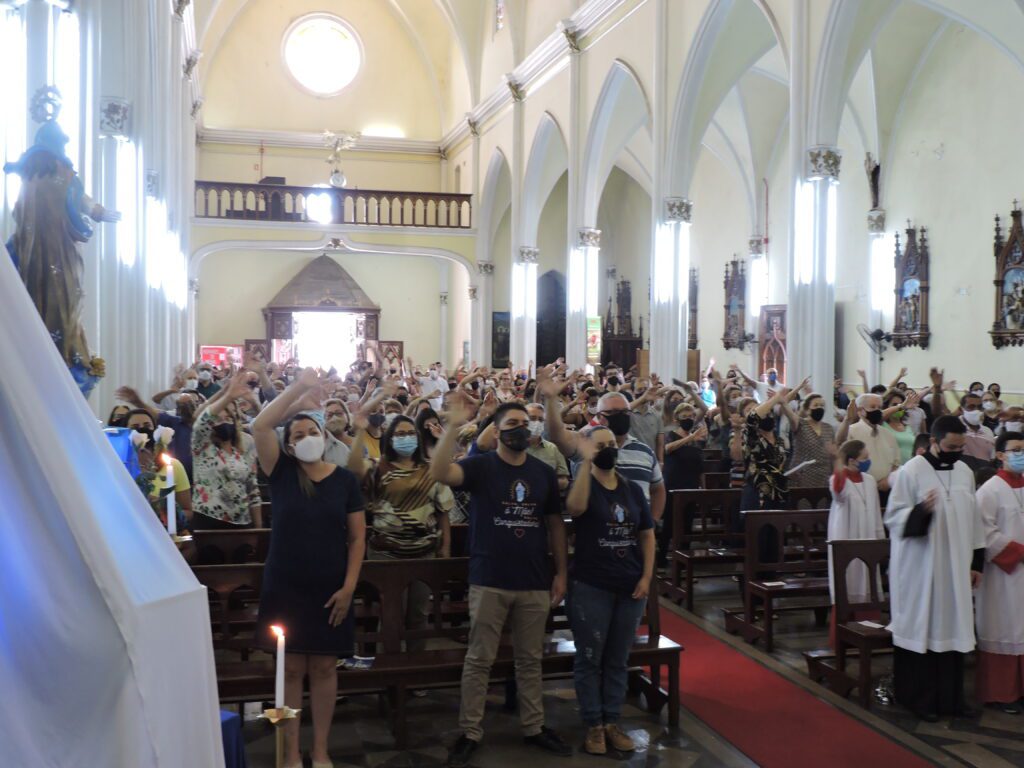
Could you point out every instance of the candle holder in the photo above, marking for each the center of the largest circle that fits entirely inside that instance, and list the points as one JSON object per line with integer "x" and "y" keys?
{"x": 179, "y": 540}
{"x": 277, "y": 718}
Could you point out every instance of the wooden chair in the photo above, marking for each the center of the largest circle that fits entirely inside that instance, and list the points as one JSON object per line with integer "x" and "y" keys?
{"x": 850, "y": 633}
{"x": 785, "y": 558}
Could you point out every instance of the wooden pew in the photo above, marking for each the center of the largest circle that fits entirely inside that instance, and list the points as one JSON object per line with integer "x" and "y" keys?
{"x": 715, "y": 480}
{"x": 234, "y": 592}
{"x": 785, "y": 558}
{"x": 220, "y": 547}
{"x": 852, "y": 634}
{"x": 380, "y": 629}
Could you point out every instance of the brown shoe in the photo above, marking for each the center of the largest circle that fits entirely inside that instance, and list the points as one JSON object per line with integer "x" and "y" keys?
{"x": 594, "y": 743}
{"x": 618, "y": 738}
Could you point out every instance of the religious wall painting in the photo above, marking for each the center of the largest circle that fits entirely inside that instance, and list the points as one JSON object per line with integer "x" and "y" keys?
{"x": 691, "y": 340}
{"x": 1008, "y": 328}
{"x": 735, "y": 336}
{"x": 257, "y": 349}
{"x": 772, "y": 339}
{"x": 501, "y": 334}
{"x": 912, "y": 264}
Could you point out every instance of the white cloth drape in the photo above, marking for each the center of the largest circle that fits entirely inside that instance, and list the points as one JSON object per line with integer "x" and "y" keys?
{"x": 1000, "y": 599}
{"x": 105, "y": 647}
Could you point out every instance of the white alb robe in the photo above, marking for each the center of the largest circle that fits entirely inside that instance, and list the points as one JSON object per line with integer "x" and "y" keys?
{"x": 930, "y": 575}
{"x": 1000, "y": 599}
{"x": 855, "y": 514}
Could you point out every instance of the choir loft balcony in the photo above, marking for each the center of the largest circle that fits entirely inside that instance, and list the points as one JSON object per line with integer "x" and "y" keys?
{"x": 234, "y": 202}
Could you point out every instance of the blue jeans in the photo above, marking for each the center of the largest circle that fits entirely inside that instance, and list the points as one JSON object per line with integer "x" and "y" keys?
{"x": 603, "y": 627}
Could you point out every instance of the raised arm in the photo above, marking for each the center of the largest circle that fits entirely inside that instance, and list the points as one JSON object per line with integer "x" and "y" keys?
{"x": 778, "y": 398}
{"x": 567, "y": 442}
{"x": 578, "y": 498}
{"x": 264, "y": 427}
{"x": 898, "y": 379}
{"x": 443, "y": 468}
{"x": 130, "y": 396}
{"x": 852, "y": 418}
{"x": 358, "y": 465}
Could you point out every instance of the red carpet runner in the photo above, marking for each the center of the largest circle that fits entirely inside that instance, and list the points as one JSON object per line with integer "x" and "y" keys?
{"x": 772, "y": 721}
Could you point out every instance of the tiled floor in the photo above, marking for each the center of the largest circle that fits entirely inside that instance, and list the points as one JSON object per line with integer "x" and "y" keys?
{"x": 360, "y": 737}
{"x": 994, "y": 740}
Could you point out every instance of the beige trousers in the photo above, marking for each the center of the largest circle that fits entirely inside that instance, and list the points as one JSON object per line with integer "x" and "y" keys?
{"x": 489, "y": 608}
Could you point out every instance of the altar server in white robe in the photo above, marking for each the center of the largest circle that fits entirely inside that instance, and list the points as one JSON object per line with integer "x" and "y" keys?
{"x": 999, "y": 679}
{"x": 855, "y": 514}
{"x": 937, "y": 557}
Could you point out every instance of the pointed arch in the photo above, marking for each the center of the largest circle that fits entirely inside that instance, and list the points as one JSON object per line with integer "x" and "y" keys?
{"x": 548, "y": 160}
{"x": 622, "y": 109}
{"x": 495, "y": 198}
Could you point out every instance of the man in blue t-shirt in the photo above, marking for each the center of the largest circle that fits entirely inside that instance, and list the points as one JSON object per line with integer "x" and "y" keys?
{"x": 515, "y": 519}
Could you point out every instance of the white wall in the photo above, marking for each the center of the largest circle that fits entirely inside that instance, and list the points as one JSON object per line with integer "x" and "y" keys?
{"x": 234, "y": 286}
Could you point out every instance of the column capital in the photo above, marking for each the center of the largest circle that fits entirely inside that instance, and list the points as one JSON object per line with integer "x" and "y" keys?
{"x": 515, "y": 88}
{"x": 756, "y": 245}
{"x": 485, "y": 267}
{"x": 190, "y": 63}
{"x": 473, "y": 125}
{"x": 678, "y": 209}
{"x": 823, "y": 162}
{"x": 196, "y": 106}
{"x": 179, "y": 8}
{"x": 528, "y": 254}
{"x": 444, "y": 298}
{"x": 472, "y": 293}
{"x": 571, "y": 34}
{"x": 588, "y": 237}
{"x": 193, "y": 286}
{"x": 876, "y": 221}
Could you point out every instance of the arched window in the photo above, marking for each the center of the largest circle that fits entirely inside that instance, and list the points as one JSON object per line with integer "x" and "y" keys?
{"x": 322, "y": 54}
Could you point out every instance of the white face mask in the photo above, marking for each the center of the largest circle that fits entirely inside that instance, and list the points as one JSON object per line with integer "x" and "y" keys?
{"x": 1012, "y": 426}
{"x": 205, "y": 375}
{"x": 536, "y": 428}
{"x": 978, "y": 392}
{"x": 352, "y": 398}
{"x": 191, "y": 383}
{"x": 989, "y": 405}
{"x": 309, "y": 449}
{"x": 972, "y": 417}
{"x": 388, "y": 418}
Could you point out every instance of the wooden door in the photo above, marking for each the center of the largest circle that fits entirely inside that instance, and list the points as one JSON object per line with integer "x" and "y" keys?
{"x": 550, "y": 317}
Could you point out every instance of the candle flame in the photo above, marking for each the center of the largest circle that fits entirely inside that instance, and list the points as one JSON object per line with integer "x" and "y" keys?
{"x": 278, "y": 631}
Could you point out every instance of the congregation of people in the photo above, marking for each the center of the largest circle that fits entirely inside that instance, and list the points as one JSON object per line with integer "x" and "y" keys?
{"x": 380, "y": 462}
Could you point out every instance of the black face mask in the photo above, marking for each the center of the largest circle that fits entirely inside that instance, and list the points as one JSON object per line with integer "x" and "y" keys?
{"x": 686, "y": 424}
{"x": 873, "y": 417}
{"x": 376, "y": 419}
{"x": 224, "y": 432}
{"x": 606, "y": 458}
{"x": 403, "y": 399}
{"x": 148, "y": 432}
{"x": 515, "y": 439}
{"x": 950, "y": 457}
{"x": 119, "y": 421}
{"x": 767, "y": 424}
{"x": 817, "y": 414}
{"x": 618, "y": 423}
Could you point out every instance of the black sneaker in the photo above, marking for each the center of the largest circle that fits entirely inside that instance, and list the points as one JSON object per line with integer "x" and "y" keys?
{"x": 548, "y": 740}
{"x": 461, "y": 752}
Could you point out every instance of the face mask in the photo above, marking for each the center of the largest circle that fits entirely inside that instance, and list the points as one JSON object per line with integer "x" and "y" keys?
{"x": 873, "y": 417}
{"x": 376, "y": 419}
{"x": 606, "y": 458}
{"x": 403, "y": 399}
{"x": 309, "y": 449}
{"x": 337, "y": 424}
{"x": 772, "y": 378}
{"x": 995, "y": 393}
{"x": 1015, "y": 462}
{"x": 536, "y": 428}
{"x": 767, "y": 424}
{"x": 817, "y": 414}
{"x": 618, "y": 423}
{"x": 205, "y": 376}
{"x": 972, "y": 417}
{"x": 119, "y": 421}
{"x": 978, "y": 392}
{"x": 864, "y": 466}
{"x": 1012, "y": 426}
{"x": 388, "y": 418}
{"x": 224, "y": 432}
{"x": 989, "y": 406}
{"x": 515, "y": 439}
{"x": 405, "y": 445}
{"x": 898, "y": 415}
{"x": 592, "y": 409}
{"x": 191, "y": 384}
{"x": 352, "y": 399}
{"x": 686, "y": 424}
{"x": 949, "y": 457}
{"x": 433, "y": 374}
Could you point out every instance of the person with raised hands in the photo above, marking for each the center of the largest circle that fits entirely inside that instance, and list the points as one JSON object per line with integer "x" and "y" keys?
{"x": 812, "y": 439}
{"x": 765, "y": 484}
{"x": 515, "y": 520}
{"x": 317, "y": 545}
{"x": 225, "y": 493}
{"x": 612, "y": 568}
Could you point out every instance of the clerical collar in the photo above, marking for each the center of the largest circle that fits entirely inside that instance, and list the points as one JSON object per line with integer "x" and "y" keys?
{"x": 1014, "y": 481}
{"x": 938, "y": 464}
{"x": 855, "y": 475}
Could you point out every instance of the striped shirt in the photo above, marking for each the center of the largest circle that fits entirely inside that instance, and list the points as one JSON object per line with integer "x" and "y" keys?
{"x": 636, "y": 462}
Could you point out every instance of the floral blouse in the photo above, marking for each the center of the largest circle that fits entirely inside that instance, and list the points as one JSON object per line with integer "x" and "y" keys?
{"x": 223, "y": 478}
{"x": 765, "y": 462}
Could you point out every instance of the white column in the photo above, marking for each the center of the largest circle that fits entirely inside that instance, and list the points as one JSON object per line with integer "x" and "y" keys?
{"x": 520, "y": 254}
{"x": 581, "y": 239}
{"x": 670, "y": 289}
{"x": 582, "y": 289}
{"x": 524, "y": 306}
{"x": 757, "y": 296}
{"x": 881, "y": 278}
{"x": 475, "y": 334}
{"x": 483, "y": 307}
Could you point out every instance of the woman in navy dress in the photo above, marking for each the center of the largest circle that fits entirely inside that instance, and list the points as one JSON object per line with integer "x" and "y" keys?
{"x": 317, "y": 543}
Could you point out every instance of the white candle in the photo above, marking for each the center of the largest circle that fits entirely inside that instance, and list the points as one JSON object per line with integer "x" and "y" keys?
{"x": 279, "y": 679}
{"x": 172, "y": 515}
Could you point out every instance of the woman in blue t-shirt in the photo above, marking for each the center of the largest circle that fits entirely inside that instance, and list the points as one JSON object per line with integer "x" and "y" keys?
{"x": 611, "y": 575}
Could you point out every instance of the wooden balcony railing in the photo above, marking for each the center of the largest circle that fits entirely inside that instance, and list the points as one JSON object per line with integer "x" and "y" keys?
{"x": 330, "y": 205}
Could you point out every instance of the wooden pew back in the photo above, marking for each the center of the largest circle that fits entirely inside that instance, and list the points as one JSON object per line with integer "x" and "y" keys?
{"x": 797, "y": 546}
{"x": 874, "y": 553}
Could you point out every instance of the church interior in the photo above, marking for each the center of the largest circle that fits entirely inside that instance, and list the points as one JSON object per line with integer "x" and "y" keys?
{"x": 359, "y": 353}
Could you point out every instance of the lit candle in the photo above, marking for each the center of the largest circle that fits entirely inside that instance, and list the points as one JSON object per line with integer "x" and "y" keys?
{"x": 279, "y": 679}
{"x": 172, "y": 515}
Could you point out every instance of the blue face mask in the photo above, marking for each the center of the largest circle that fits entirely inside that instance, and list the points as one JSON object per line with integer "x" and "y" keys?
{"x": 864, "y": 466}
{"x": 405, "y": 445}
{"x": 1015, "y": 461}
